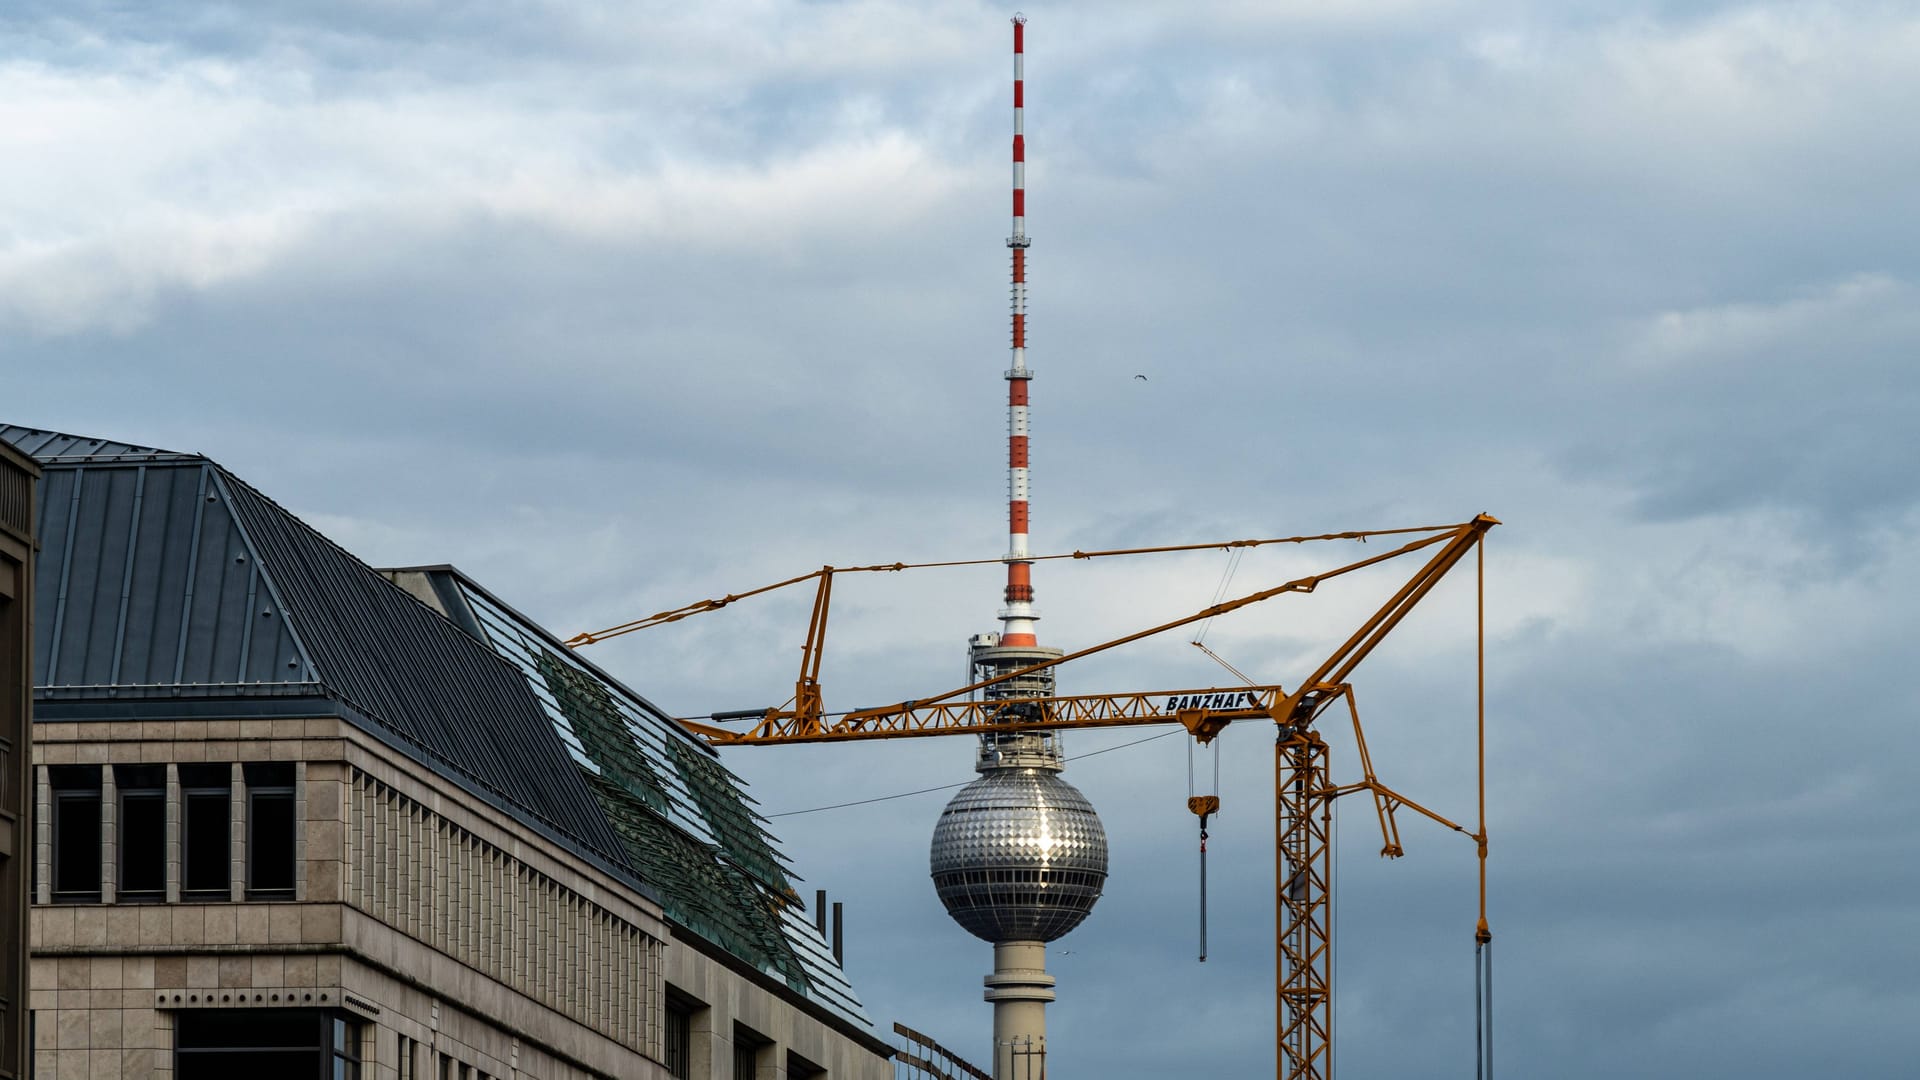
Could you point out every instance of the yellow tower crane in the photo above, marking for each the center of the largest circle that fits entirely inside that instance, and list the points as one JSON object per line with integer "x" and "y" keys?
{"x": 1304, "y": 790}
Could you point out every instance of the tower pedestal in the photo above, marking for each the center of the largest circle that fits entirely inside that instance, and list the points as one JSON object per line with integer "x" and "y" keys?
{"x": 1019, "y": 989}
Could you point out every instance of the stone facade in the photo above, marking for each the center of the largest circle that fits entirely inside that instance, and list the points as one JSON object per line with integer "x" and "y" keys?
{"x": 458, "y": 942}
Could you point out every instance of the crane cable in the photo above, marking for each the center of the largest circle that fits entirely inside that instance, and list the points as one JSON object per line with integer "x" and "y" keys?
{"x": 1483, "y": 937}
{"x": 1199, "y": 639}
{"x": 698, "y": 606}
{"x": 1479, "y": 1019}
{"x": 1220, "y": 592}
{"x": 1204, "y": 807}
{"x": 1333, "y": 940}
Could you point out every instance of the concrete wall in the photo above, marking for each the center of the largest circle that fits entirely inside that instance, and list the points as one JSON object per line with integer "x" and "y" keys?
{"x": 730, "y": 1007}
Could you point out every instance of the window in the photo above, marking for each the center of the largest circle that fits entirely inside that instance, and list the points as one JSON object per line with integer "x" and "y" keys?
{"x": 799, "y": 1068}
{"x": 247, "y": 1044}
{"x": 270, "y": 831}
{"x": 747, "y": 1049}
{"x": 206, "y": 796}
{"x": 76, "y": 831}
{"x": 142, "y": 829}
{"x": 346, "y": 1049}
{"x": 679, "y": 1038}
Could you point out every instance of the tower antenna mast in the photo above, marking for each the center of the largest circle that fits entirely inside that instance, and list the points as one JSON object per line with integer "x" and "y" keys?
{"x": 1018, "y": 617}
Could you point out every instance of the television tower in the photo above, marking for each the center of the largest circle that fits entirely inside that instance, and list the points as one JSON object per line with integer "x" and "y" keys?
{"x": 1019, "y": 856}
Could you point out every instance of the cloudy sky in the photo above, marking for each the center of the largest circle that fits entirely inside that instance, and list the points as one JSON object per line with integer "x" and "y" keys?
{"x": 618, "y": 306}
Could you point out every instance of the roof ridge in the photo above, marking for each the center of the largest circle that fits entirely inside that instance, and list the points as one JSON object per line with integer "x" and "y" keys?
{"x": 49, "y": 446}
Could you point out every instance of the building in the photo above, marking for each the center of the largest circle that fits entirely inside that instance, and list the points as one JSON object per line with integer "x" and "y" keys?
{"x": 17, "y": 476}
{"x": 296, "y": 814}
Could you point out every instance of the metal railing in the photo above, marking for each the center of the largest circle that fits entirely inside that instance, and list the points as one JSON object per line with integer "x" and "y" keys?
{"x": 921, "y": 1058}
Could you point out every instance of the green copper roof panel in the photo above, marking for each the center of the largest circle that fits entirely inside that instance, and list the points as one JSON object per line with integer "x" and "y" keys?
{"x": 689, "y": 827}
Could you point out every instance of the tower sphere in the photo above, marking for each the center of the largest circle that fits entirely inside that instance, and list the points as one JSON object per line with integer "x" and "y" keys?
{"x": 1019, "y": 855}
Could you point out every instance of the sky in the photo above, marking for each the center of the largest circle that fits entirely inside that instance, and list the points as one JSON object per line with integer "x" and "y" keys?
{"x": 618, "y": 306}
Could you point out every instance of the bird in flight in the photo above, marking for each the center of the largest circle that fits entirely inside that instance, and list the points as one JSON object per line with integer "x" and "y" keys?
{"x": 1142, "y": 378}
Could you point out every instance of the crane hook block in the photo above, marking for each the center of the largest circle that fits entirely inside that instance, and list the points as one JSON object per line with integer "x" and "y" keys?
{"x": 1204, "y": 806}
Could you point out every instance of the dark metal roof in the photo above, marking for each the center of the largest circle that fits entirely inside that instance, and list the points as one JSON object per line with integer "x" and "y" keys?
{"x": 164, "y": 576}
{"x": 146, "y": 580}
{"x": 52, "y": 446}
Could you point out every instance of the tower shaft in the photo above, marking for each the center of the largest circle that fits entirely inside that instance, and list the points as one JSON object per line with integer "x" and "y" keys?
{"x": 1019, "y": 989}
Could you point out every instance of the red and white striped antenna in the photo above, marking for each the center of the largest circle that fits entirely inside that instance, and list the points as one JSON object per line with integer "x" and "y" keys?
{"x": 1018, "y": 617}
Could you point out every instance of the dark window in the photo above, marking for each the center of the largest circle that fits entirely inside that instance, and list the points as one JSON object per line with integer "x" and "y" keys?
{"x": 142, "y": 830}
{"x": 206, "y": 828}
{"x": 799, "y": 1068}
{"x": 270, "y": 832}
{"x": 76, "y": 831}
{"x": 747, "y": 1047}
{"x": 679, "y": 1040}
{"x": 247, "y": 1044}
